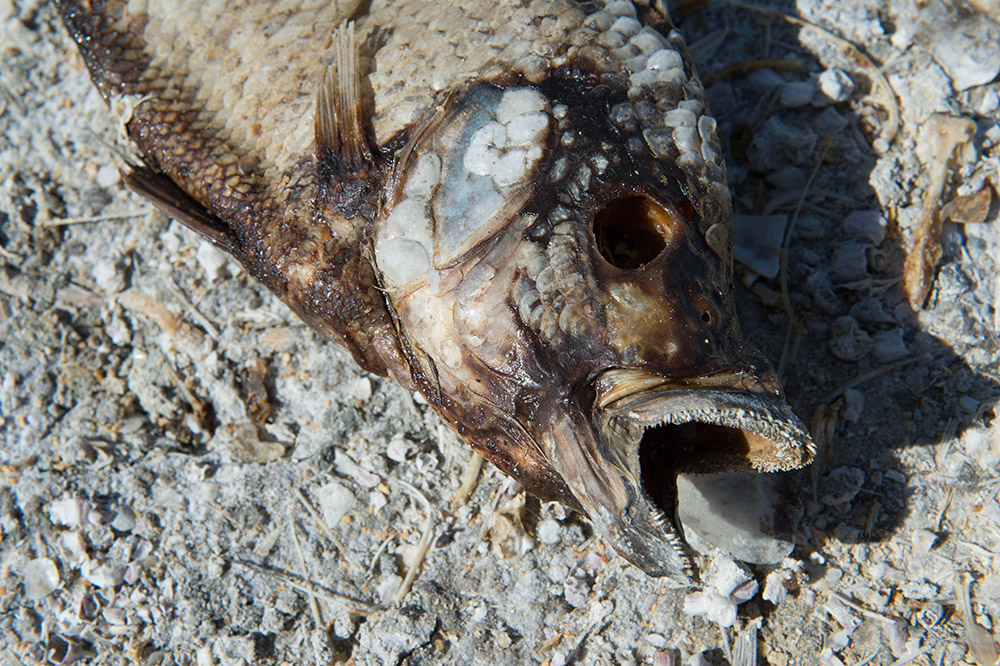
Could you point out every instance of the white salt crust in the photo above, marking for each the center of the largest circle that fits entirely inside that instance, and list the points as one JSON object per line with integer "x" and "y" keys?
{"x": 507, "y": 149}
{"x": 504, "y": 149}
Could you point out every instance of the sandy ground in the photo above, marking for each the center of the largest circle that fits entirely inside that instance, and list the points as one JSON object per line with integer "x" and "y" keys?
{"x": 165, "y": 422}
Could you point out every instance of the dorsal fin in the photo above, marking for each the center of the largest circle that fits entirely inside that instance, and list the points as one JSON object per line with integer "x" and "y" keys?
{"x": 340, "y": 134}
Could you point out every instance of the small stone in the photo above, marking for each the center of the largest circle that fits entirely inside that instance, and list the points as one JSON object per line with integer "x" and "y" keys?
{"x": 923, "y": 541}
{"x": 919, "y": 590}
{"x": 124, "y": 520}
{"x": 788, "y": 177}
{"x": 335, "y": 500}
{"x": 871, "y": 311}
{"x": 360, "y": 389}
{"x": 211, "y": 260}
{"x": 204, "y": 657}
{"x": 796, "y": 94}
{"x": 842, "y": 484}
{"x": 854, "y": 404}
{"x": 69, "y": 512}
{"x": 107, "y": 176}
{"x": 834, "y": 86}
{"x": 400, "y": 449}
{"x": 548, "y": 531}
{"x": 41, "y": 578}
{"x": 101, "y": 575}
{"x": 376, "y": 501}
{"x": 426, "y": 462}
{"x": 849, "y": 262}
{"x": 386, "y": 590}
{"x": 848, "y": 341}
{"x": 969, "y": 404}
{"x": 765, "y": 80}
{"x": 758, "y": 241}
{"x": 106, "y": 275}
{"x": 666, "y": 658}
{"x": 113, "y": 616}
{"x": 889, "y": 346}
{"x": 866, "y": 225}
{"x": 728, "y": 585}
{"x": 576, "y": 590}
{"x": 990, "y": 103}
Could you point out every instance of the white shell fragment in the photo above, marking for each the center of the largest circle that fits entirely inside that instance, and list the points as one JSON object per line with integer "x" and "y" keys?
{"x": 41, "y": 578}
{"x": 335, "y": 500}
{"x": 728, "y": 584}
{"x": 69, "y": 512}
{"x": 758, "y": 242}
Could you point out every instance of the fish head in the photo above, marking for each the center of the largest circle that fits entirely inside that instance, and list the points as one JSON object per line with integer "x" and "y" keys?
{"x": 567, "y": 269}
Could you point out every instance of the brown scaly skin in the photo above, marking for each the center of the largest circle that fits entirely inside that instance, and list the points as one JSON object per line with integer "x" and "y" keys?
{"x": 584, "y": 340}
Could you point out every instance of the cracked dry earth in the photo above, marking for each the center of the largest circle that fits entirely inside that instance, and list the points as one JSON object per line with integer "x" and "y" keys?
{"x": 165, "y": 422}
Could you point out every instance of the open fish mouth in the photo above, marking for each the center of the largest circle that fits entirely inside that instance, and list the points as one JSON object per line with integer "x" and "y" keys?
{"x": 652, "y": 429}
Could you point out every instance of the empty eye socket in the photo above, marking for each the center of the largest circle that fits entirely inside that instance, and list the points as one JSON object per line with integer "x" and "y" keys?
{"x": 633, "y": 231}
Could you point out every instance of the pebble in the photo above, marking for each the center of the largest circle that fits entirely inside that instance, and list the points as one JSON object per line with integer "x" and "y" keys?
{"x": 41, "y": 578}
{"x": 101, "y": 575}
{"x": 335, "y": 500}
{"x": 386, "y": 590}
{"x": 849, "y": 262}
{"x": 923, "y": 541}
{"x": 969, "y": 404}
{"x": 124, "y": 520}
{"x": 848, "y": 341}
{"x": 376, "y": 501}
{"x": 400, "y": 449}
{"x": 990, "y": 103}
{"x": 69, "y": 512}
{"x": 426, "y": 462}
{"x": 889, "y": 346}
{"x": 854, "y": 405}
{"x": 765, "y": 80}
{"x": 360, "y": 389}
{"x": 866, "y": 225}
{"x": 919, "y": 590}
{"x": 211, "y": 260}
{"x": 788, "y": 177}
{"x": 842, "y": 485}
{"x": 548, "y": 531}
{"x": 834, "y": 86}
{"x": 107, "y": 176}
{"x": 758, "y": 241}
{"x": 796, "y": 94}
{"x": 576, "y": 590}
{"x": 871, "y": 311}
{"x": 106, "y": 275}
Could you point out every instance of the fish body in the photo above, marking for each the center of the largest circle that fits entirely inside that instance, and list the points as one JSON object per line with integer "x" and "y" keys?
{"x": 517, "y": 208}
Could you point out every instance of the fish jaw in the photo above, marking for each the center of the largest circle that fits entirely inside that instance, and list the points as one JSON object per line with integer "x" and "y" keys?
{"x": 622, "y": 466}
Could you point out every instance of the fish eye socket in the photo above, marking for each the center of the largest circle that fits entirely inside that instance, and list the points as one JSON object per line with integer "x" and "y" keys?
{"x": 633, "y": 231}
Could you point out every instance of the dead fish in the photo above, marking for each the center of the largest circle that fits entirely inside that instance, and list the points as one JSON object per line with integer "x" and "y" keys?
{"x": 517, "y": 208}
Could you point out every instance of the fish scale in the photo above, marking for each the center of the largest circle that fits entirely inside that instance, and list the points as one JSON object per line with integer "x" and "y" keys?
{"x": 518, "y": 209}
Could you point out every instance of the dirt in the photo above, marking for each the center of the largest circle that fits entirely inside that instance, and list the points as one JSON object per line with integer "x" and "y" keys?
{"x": 164, "y": 420}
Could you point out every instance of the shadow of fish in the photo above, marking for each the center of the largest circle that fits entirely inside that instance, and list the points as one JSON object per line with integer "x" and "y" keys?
{"x": 518, "y": 209}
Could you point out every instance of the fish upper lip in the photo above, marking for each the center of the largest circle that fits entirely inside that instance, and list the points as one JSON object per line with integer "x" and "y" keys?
{"x": 777, "y": 439}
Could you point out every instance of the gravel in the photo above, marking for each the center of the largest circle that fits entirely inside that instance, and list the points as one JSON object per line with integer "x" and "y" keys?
{"x": 165, "y": 422}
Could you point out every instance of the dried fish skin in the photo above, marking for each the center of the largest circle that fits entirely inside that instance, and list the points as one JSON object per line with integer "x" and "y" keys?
{"x": 519, "y": 209}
